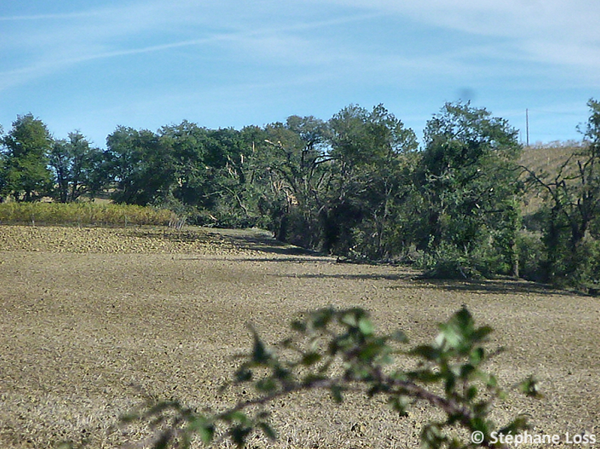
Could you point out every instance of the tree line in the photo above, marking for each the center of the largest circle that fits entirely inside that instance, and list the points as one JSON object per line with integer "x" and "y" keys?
{"x": 358, "y": 185}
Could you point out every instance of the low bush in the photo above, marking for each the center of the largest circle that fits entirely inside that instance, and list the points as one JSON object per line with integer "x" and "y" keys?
{"x": 448, "y": 262}
{"x": 338, "y": 351}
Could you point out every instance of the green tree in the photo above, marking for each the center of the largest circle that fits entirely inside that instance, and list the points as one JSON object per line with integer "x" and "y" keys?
{"x": 572, "y": 224}
{"x": 226, "y": 153}
{"x": 78, "y": 168}
{"x": 142, "y": 166}
{"x": 335, "y": 186}
{"x": 25, "y": 174}
{"x": 2, "y": 168}
{"x": 468, "y": 182}
{"x": 187, "y": 145}
{"x": 195, "y": 171}
{"x": 372, "y": 153}
{"x": 208, "y": 173}
{"x": 290, "y": 165}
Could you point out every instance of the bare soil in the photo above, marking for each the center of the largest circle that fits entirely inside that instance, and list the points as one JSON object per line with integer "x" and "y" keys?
{"x": 94, "y": 321}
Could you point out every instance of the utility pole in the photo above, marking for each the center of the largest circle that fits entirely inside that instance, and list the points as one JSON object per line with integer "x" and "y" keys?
{"x": 527, "y": 124}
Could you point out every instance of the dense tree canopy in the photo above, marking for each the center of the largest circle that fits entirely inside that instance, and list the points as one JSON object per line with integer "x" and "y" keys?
{"x": 468, "y": 181}
{"x": 78, "y": 168}
{"x": 25, "y": 175}
{"x": 357, "y": 185}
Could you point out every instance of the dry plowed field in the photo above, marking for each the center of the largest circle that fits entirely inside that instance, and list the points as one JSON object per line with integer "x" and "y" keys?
{"x": 94, "y": 321}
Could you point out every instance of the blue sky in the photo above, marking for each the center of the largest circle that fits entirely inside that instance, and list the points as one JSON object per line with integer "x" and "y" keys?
{"x": 90, "y": 66}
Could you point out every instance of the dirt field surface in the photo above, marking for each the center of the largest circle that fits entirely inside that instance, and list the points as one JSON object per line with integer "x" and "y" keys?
{"x": 95, "y": 320}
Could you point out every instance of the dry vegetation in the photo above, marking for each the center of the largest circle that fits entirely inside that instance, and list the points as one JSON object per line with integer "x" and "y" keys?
{"x": 84, "y": 213}
{"x": 546, "y": 161}
{"x": 548, "y": 157}
{"x": 96, "y": 320}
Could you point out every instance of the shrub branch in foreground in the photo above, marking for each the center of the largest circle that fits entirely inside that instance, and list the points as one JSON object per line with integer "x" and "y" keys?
{"x": 340, "y": 352}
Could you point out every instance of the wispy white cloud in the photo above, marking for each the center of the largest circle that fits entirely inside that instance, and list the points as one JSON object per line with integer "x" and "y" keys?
{"x": 45, "y": 17}
{"x": 59, "y": 41}
{"x": 550, "y": 31}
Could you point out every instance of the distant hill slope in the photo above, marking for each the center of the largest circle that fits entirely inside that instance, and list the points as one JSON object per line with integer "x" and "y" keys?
{"x": 548, "y": 157}
{"x": 547, "y": 160}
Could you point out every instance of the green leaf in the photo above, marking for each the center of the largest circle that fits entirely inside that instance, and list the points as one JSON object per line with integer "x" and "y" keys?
{"x": 239, "y": 434}
{"x": 432, "y": 437}
{"x": 310, "y": 358}
{"x": 207, "y": 434}
{"x": 298, "y": 326}
{"x": 427, "y": 352}
{"x": 365, "y": 326}
{"x": 517, "y": 425}
{"x": 369, "y": 351}
{"x": 260, "y": 354}
{"x": 450, "y": 384}
{"x": 398, "y": 376}
{"x": 459, "y": 332}
{"x": 471, "y": 393}
{"x": 243, "y": 374}
{"x": 481, "y": 334}
{"x": 266, "y": 385}
{"x": 466, "y": 371}
{"x": 476, "y": 356}
{"x": 399, "y": 404}
{"x": 281, "y": 373}
{"x": 268, "y": 431}
{"x": 479, "y": 423}
{"x": 350, "y": 318}
{"x": 492, "y": 382}
{"x": 336, "y": 393}
{"x": 463, "y": 319}
{"x": 482, "y": 408}
{"x": 530, "y": 387}
{"x": 399, "y": 336}
{"x": 425, "y": 376}
{"x": 321, "y": 318}
{"x": 450, "y": 336}
{"x": 203, "y": 428}
{"x": 236, "y": 416}
{"x": 311, "y": 378}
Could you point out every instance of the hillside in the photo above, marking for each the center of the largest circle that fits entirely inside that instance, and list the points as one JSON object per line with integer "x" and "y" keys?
{"x": 546, "y": 161}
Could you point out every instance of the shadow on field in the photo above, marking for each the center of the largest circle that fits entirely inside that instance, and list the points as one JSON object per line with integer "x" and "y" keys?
{"x": 492, "y": 287}
{"x": 366, "y": 276}
{"x": 279, "y": 259}
{"x": 173, "y": 235}
{"x": 411, "y": 280}
{"x": 267, "y": 244}
{"x": 263, "y": 242}
{"x": 243, "y": 239}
